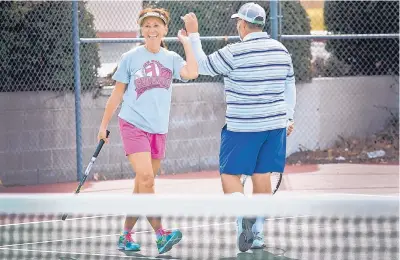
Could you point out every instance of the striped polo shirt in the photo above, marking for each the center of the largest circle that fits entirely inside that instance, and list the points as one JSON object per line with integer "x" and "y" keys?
{"x": 258, "y": 79}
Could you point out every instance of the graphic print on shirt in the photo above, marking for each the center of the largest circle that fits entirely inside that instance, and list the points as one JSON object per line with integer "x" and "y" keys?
{"x": 152, "y": 75}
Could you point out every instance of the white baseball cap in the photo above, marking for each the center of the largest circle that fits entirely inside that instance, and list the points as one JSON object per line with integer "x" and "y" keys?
{"x": 252, "y": 13}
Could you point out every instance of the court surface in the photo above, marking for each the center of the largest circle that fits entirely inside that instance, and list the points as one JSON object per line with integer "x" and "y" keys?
{"x": 295, "y": 237}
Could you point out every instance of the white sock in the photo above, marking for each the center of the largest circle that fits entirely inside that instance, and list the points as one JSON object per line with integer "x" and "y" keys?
{"x": 259, "y": 225}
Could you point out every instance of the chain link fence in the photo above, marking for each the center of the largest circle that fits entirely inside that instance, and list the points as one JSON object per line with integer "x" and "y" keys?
{"x": 354, "y": 95}
{"x": 37, "y": 113}
{"x": 347, "y": 87}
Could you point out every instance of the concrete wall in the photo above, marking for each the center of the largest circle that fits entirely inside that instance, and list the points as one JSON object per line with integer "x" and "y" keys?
{"x": 348, "y": 106}
{"x": 37, "y": 130}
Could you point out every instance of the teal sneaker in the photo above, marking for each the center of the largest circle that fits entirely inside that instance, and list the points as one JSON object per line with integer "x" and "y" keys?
{"x": 126, "y": 242}
{"x": 166, "y": 241}
{"x": 245, "y": 235}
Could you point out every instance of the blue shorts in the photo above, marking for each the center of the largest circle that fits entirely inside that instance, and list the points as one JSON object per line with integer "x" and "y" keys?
{"x": 252, "y": 152}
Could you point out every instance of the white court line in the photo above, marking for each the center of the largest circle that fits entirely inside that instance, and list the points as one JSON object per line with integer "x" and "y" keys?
{"x": 92, "y": 254}
{"x": 361, "y": 194}
{"x": 57, "y": 220}
{"x": 60, "y": 240}
{"x": 335, "y": 194}
{"x": 8, "y": 247}
{"x": 138, "y": 232}
{"x": 81, "y": 238}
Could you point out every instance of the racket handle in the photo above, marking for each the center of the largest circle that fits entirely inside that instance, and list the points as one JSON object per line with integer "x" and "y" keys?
{"x": 100, "y": 145}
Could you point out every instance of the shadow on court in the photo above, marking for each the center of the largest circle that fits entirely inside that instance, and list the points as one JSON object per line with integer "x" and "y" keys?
{"x": 260, "y": 255}
{"x": 250, "y": 255}
{"x": 136, "y": 255}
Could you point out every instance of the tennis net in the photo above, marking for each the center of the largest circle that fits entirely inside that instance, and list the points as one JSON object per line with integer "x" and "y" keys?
{"x": 296, "y": 227}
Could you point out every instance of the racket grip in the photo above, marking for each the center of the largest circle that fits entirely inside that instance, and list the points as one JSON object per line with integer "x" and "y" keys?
{"x": 100, "y": 145}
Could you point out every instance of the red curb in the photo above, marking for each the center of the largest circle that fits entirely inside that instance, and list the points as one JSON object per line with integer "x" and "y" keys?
{"x": 66, "y": 187}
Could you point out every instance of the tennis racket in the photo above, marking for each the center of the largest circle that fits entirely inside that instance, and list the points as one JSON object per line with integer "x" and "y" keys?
{"x": 276, "y": 179}
{"x": 89, "y": 167}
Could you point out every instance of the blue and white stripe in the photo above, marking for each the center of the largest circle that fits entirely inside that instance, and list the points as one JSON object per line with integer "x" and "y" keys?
{"x": 259, "y": 81}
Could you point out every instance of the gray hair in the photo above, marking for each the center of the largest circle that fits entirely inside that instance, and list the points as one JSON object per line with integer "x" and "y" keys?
{"x": 253, "y": 26}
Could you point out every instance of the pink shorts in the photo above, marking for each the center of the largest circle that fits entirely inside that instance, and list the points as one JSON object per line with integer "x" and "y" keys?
{"x": 136, "y": 140}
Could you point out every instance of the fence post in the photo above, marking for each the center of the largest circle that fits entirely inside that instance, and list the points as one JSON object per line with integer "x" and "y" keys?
{"x": 77, "y": 85}
{"x": 273, "y": 16}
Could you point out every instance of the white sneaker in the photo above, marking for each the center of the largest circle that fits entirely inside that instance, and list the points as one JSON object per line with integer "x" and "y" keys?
{"x": 258, "y": 242}
{"x": 245, "y": 236}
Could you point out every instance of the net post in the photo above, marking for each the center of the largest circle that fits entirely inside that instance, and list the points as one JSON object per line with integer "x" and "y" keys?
{"x": 273, "y": 16}
{"x": 77, "y": 88}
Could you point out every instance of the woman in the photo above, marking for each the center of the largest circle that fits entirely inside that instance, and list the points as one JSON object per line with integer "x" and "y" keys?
{"x": 143, "y": 81}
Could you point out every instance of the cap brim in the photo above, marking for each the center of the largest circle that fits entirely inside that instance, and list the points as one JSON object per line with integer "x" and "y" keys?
{"x": 140, "y": 20}
{"x": 235, "y": 16}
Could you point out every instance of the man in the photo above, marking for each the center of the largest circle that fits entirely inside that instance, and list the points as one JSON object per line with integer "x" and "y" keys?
{"x": 260, "y": 95}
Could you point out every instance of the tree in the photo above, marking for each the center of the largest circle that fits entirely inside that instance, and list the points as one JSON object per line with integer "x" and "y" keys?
{"x": 364, "y": 56}
{"x": 37, "y": 51}
{"x": 295, "y": 21}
